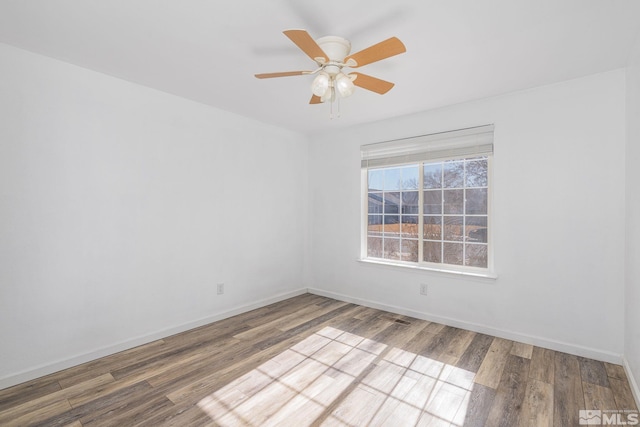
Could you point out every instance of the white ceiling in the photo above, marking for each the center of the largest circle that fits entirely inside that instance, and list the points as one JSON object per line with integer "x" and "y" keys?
{"x": 208, "y": 50}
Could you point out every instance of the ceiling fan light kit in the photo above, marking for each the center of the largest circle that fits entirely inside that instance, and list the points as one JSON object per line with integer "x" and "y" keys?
{"x": 331, "y": 54}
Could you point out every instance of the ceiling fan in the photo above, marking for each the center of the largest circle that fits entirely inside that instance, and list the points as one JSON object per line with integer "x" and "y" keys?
{"x": 331, "y": 55}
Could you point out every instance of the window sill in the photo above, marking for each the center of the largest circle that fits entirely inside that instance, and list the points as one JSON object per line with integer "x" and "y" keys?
{"x": 472, "y": 274}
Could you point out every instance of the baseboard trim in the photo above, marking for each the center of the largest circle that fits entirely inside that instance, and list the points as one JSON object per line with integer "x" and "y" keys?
{"x": 564, "y": 347}
{"x": 635, "y": 388}
{"x": 60, "y": 365}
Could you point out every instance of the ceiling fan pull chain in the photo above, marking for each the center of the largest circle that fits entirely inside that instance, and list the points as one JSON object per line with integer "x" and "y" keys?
{"x": 330, "y": 109}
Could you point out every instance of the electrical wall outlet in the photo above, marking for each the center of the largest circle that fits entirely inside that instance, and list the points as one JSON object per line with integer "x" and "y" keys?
{"x": 220, "y": 288}
{"x": 423, "y": 289}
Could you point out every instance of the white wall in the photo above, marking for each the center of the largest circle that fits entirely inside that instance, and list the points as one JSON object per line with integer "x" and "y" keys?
{"x": 632, "y": 296}
{"x": 121, "y": 207}
{"x": 559, "y": 211}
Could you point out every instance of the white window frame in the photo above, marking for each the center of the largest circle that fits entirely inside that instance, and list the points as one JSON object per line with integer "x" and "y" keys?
{"x": 453, "y": 145}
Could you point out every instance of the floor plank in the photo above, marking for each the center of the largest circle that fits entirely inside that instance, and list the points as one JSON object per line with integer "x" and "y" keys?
{"x": 490, "y": 370}
{"x": 568, "y": 397}
{"x": 82, "y": 373}
{"x": 178, "y": 416}
{"x": 537, "y": 410}
{"x": 459, "y": 343}
{"x": 623, "y": 395}
{"x": 615, "y": 371}
{"x": 510, "y": 394}
{"x": 593, "y": 371}
{"x": 54, "y": 398}
{"x": 39, "y": 415}
{"x": 542, "y": 365}
{"x": 475, "y": 353}
{"x": 26, "y": 392}
{"x": 598, "y": 397}
{"x": 522, "y": 350}
{"x": 480, "y": 404}
{"x": 437, "y": 347}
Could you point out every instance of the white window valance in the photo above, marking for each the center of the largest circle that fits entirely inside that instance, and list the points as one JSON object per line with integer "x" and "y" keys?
{"x": 469, "y": 142}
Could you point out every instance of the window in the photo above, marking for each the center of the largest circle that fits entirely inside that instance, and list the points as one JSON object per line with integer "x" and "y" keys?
{"x": 428, "y": 201}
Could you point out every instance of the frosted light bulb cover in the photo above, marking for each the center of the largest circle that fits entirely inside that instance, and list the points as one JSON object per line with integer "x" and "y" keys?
{"x": 344, "y": 85}
{"x": 320, "y": 85}
{"x": 330, "y": 95}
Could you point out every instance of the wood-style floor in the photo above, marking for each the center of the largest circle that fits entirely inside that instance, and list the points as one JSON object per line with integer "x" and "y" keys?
{"x": 311, "y": 361}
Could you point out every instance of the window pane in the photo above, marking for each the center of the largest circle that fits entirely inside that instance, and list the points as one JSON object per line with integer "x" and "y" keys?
{"x": 392, "y": 225}
{"x": 453, "y": 201}
{"x": 409, "y": 250}
{"x": 410, "y": 178}
{"x": 374, "y": 247}
{"x": 409, "y": 226}
{"x": 376, "y": 179}
{"x": 432, "y": 226}
{"x": 476, "y": 201}
{"x": 476, "y": 173}
{"x": 476, "y": 255}
{"x": 392, "y": 249}
{"x": 392, "y": 179}
{"x": 410, "y": 202}
{"x": 453, "y": 174}
{"x": 476, "y": 229}
{"x": 452, "y": 253}
{"x": 453, "y": 228}
{"x": 432, "y": 252}
{"x": 374, "y": 228}
{"x": 433, "y": 202}
{"x": 375, "y": 202}
{"x": 432, "y": 175}
{"x": 392, "y": 203}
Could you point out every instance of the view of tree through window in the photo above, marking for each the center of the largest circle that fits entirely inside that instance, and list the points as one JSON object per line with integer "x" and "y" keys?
{"x": 431, "y": 212}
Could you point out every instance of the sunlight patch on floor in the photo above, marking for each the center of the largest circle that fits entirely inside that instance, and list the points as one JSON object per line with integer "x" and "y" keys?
{"x": 364, "y": 382}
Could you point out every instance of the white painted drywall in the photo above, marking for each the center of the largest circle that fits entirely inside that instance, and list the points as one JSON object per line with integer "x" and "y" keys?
{"x": 559, "y": 218}
{"x": 632, "y": 296}
{"x": 122, "y": 207}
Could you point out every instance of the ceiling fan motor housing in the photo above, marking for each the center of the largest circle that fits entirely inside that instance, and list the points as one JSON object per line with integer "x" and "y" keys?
{"x": 336, "y": 49}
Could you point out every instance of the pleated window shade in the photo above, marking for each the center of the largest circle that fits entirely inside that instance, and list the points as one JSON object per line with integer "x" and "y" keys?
{"x": 470, "y": 142}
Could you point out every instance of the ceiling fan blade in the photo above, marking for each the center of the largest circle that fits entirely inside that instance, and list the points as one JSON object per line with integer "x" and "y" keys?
{"x": 307, "y": 44}
{"x": 283, "y": 74}
{"x": 371, "y": 83}
{"x": 385, "y": 49}
{"x": 315, "y": 100}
